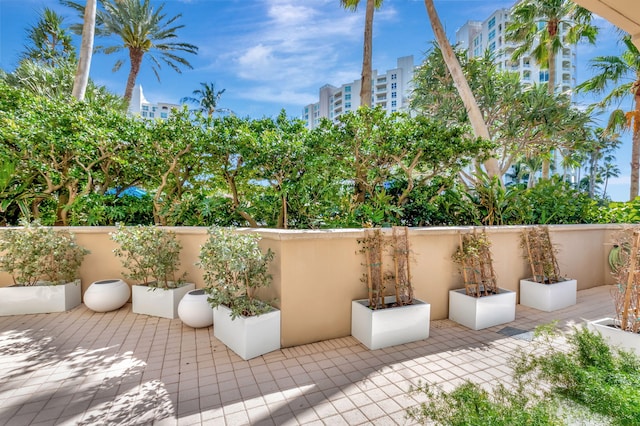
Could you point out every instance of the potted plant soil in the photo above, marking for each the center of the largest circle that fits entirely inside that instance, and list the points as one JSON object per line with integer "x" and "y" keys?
{"x": 151, "y": 256}
{"x": 388, "y": 318}
{"x": 481, "y": 303}
{"x": 546, "y": 289}
{"x": 624, "y": 329}
{"x": 235, "y": 270}
{"x": 44, "y": 264}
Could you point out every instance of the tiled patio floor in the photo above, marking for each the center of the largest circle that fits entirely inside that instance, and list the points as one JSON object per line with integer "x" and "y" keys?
{"x": 85, "y": 368}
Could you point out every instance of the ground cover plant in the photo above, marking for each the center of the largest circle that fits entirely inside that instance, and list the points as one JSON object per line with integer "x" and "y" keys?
{"x": 586, "y": 383}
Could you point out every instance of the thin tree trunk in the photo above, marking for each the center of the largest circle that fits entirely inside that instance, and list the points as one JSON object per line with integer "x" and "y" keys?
{"x": 475, "y": 115}
{"x": 592, "y": 174}
{"x": 365, "y": 82}
{"x": 86, "y": 51}
{"x": 551, "y": 88}
{"x": 135, "y": 56}
{"x": 635, "y": 149}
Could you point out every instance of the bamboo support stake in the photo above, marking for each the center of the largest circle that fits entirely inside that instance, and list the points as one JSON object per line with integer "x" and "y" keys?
{"x": 533, "y": 269}
{"x": 367, "y": 249}
{"x": 464, "y": 267}
{"x": 395, "y": 262}
{"x": 406, "y": 253}
{"x": 380, "y": 272}
{"x": 633, "y": 264}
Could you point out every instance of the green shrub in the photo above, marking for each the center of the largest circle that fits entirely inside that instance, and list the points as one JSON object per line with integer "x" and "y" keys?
{"x": 588, "y": 383}
{"x": 470, "y": 404}
{"x": 234, "y": 269}
{"x": 604, "y": 380}
{"x": 35, "y": 253}
{"x": 150, "y": 254}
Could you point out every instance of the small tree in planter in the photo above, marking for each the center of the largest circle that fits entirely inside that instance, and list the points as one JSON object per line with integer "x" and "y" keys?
{"x": 151, "y": 256}
{"x": 35, "y": 256}
{"x": 481, "y": 303}
{"x": 40, "y": 255}
{"x": 626, "y": 294}
{"x": 473, "y": 257}
{"x": 541, "y": 254}
{"x": 388, "y": 319}
{"x": 547, "y": 289}
{"x": 235, "y": 269}
{"x": 624, "y": 329}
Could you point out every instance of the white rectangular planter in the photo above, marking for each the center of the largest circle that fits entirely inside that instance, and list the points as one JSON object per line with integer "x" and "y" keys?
{"x": 158, "y": 302}
{"x": 615, "y": 336}
{"x": 482, "y": 312}
{"x": 548, "y": 297}
{"x": 249, "y": 337}
{"x": 39, "y": 299}
{"x": 381, "y": 328}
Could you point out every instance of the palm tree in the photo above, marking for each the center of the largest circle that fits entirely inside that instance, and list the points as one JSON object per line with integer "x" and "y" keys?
{"x": 476, "y": 119}
{"x": 365, "y": 86}
{"x": 50, "y": 44}
{"x": 143, "y": 31}
{"x": 623, "y": 73}
{"x": 564, "y": 23}
{"x": 207, "y": 98}
{"x": 86, "y": 51}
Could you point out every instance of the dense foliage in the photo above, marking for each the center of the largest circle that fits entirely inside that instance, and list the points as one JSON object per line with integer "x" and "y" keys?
{"x": 85, "y": 163}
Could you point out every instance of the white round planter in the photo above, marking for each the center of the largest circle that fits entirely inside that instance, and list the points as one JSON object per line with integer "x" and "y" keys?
{"x": 194, "y": 309}
{"x": 107, "y": 295}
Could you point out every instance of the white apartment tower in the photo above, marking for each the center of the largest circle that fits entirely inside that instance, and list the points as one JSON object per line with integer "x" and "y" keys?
{"x": 141, "y": 107}
{"x": 390, "y": 90}
{"x": 476, "y": 37}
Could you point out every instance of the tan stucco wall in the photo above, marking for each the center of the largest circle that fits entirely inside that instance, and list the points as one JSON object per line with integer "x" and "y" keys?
{"x": 316, "y": 274}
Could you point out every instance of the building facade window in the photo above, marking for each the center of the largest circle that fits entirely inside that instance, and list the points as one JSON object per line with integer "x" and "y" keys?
{"x": 526, "y": 75}
{"x": 163, "y": 115}
{"x": 492, "y": 46}
{"x": 347, "y": 105}
{"x": 394, "y": 86}
{"x": 492, "y": 22}
{"x": 492, "y": 34}
{"x": 393, "y": 94}
{"x": 347, "y": 89}
{"x": 393, "y": 104}
{"x": 145, "y": 107}
{"x": 394, "y": 76}
{"x": 151, "y": 115}
{"x": 347, "y": 97}
{"x": 544, "y": 76}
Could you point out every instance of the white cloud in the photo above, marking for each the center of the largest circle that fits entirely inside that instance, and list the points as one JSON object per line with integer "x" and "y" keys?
{"x": 293, "y": 48}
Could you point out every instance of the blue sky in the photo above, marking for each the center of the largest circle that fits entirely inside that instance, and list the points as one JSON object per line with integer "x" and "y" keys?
{"x": 275, "y": 54}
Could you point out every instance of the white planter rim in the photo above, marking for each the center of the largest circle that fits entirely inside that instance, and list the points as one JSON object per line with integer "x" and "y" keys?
{"x": 562, "y": 280}
{"x": 365, "y": 303}
{"x": 151, "y": 285}
{"x": 500, "y": 291}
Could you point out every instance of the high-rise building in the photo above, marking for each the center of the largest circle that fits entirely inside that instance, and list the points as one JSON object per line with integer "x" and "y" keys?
{"x": 477, "y": 37}
{"x": 140, "y": 106}
{"x": 390, "y": 90}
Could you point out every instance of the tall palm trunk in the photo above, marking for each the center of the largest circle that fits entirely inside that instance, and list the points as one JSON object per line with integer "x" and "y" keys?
{"x": 635, "y": 147}
{"x": 135, "y": 56}
{"x": 86, "y": 51}
{"x": 365, "y": 86}
{"x": 552, "y": 29}
{"x": 453, "y": 65}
